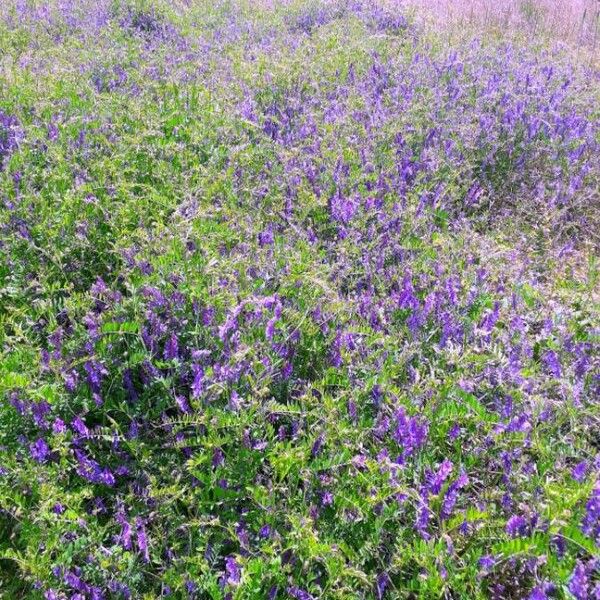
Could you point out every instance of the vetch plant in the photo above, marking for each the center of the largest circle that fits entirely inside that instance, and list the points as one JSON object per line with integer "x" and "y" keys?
{"x": 295, "y": 302}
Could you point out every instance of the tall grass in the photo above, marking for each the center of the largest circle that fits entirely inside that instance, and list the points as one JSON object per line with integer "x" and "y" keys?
{"x": 576, "y": 22}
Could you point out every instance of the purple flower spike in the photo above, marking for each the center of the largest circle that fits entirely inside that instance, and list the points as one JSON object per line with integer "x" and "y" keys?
{"x": 233, "y": 572}
{"x": 39, "y": 451}
{"x": 517, "y": 526}
{"x": 299, "y": 594}
{"x": 142, "y": 539}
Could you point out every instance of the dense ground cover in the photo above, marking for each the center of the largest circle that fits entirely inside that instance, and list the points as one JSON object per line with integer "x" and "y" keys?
{"x": 297, "y": 300}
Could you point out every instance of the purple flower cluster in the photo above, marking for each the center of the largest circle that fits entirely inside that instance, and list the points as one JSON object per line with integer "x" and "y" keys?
{"x": 10, "y": 134}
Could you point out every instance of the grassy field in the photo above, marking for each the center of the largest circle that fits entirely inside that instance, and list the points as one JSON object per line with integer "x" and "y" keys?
{"x": 299, "y": 299}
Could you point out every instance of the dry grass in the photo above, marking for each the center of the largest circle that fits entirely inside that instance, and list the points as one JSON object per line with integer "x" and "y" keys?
{"x": 575, "y": 22}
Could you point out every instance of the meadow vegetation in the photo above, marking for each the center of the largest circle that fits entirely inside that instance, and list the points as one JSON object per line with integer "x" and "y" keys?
{"x": 298, "y": 300}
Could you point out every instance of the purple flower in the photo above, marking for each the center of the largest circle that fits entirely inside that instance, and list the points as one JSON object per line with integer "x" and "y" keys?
{"x": 39, "y": 451}
{"x": 579, "y": 582}
{"x": 218, "y": 458}
{"x": 129, "y": 386}
{"x": 377, "y": 395}
{"x": 359, "y": 461}
{"x": 9, "y": 136}
{"x": 486, "y": 563}
{"x": 327, "y": 499}
{"x": 352, "y": 410}
{"x": 423, "y": 517}
{"x": 517, "y": 526}
{"x": 591, "y": 520}
{"x": 299, "y": 594}
{"x": 95, "y": 372}
{"x": 552, "y": 363}
{"x": 266, "y": 237}
{"x": 317, "y": 445}
{"x": 73, "y": 580}
{"x": 270, "y": 328}
{"x": 410, "y": 432}
{"x": 451, "y": 495}
{"x": 381, "y": 584}
{"x": 336, "y": 351}
{"x": 39, "y": 410}
{"x": 197, "y": 384}
{"x": 183, "y": 404}
{"x": 80, "y": 427}
{"x": 19, "y": 405}
{"x": 454, "y": 432}
{"x": 126, "y": 530}
{"x": 491, "y": 318}
{"x": 436, "y": 480}
{"x": 191, "y": 586}
{"x": 538, "y": 593}
{"x": 406, "y": 297}
{"x": 89, "y": 469}
{"x": 172, "y": 348}
{"x": 59, "y": 427}
{"x": 141, "y": 538}
{"x": 235, "y": 401}
{"x": 71, "y": 379}
{"x": 579, "y": 471}
{"x": 233, "y": 572}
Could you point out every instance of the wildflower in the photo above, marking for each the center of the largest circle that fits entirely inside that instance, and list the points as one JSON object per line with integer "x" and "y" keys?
{"x": 381, "y": 584}
{"x": 95, "y": 373}
{"x": 486, "y": 563}
{"x": 39, "y": 410}
{"x": 327, "y": 499}
{"x": 423, "y": 517}
{"x": 218, "y": 458}
{"x": 591, "y": 520}
{"x": 437, "y": 479}
{"x": 80, "y": 427}
{"x": 39, "y": 451}
{"x": 9, "y": 136}
{"x": 129, "y": 386}
{"x": 141, "y": 538}
{"x": 58, "y": 426}
{"x": 517, "y": 526}
{"x": 270, "y": 328}
{"x": 352, "y": 410}
{"x": 266, "y": 237}
{"x": 579, "y": 471}
{"x": 197, "y": 384}
{"x": 89, "y": 469}
{"x": 172, "y": 348}
{"x": 538, "y": 593}
{"x": 126, "y": 530}
{"x": 299, "y": 594}
{"x": 579, "y": 582}
{"x": 452, "y": 495}
{"x": 183, "y": 404}
{"x": 552, "y": 363}
{"x": 233, "y": 572}
{"x": 317, "y": 445}
{"x": 235, "y": 402}
{"x": 410, "y": 432}
{"x": 265, "y": 531}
